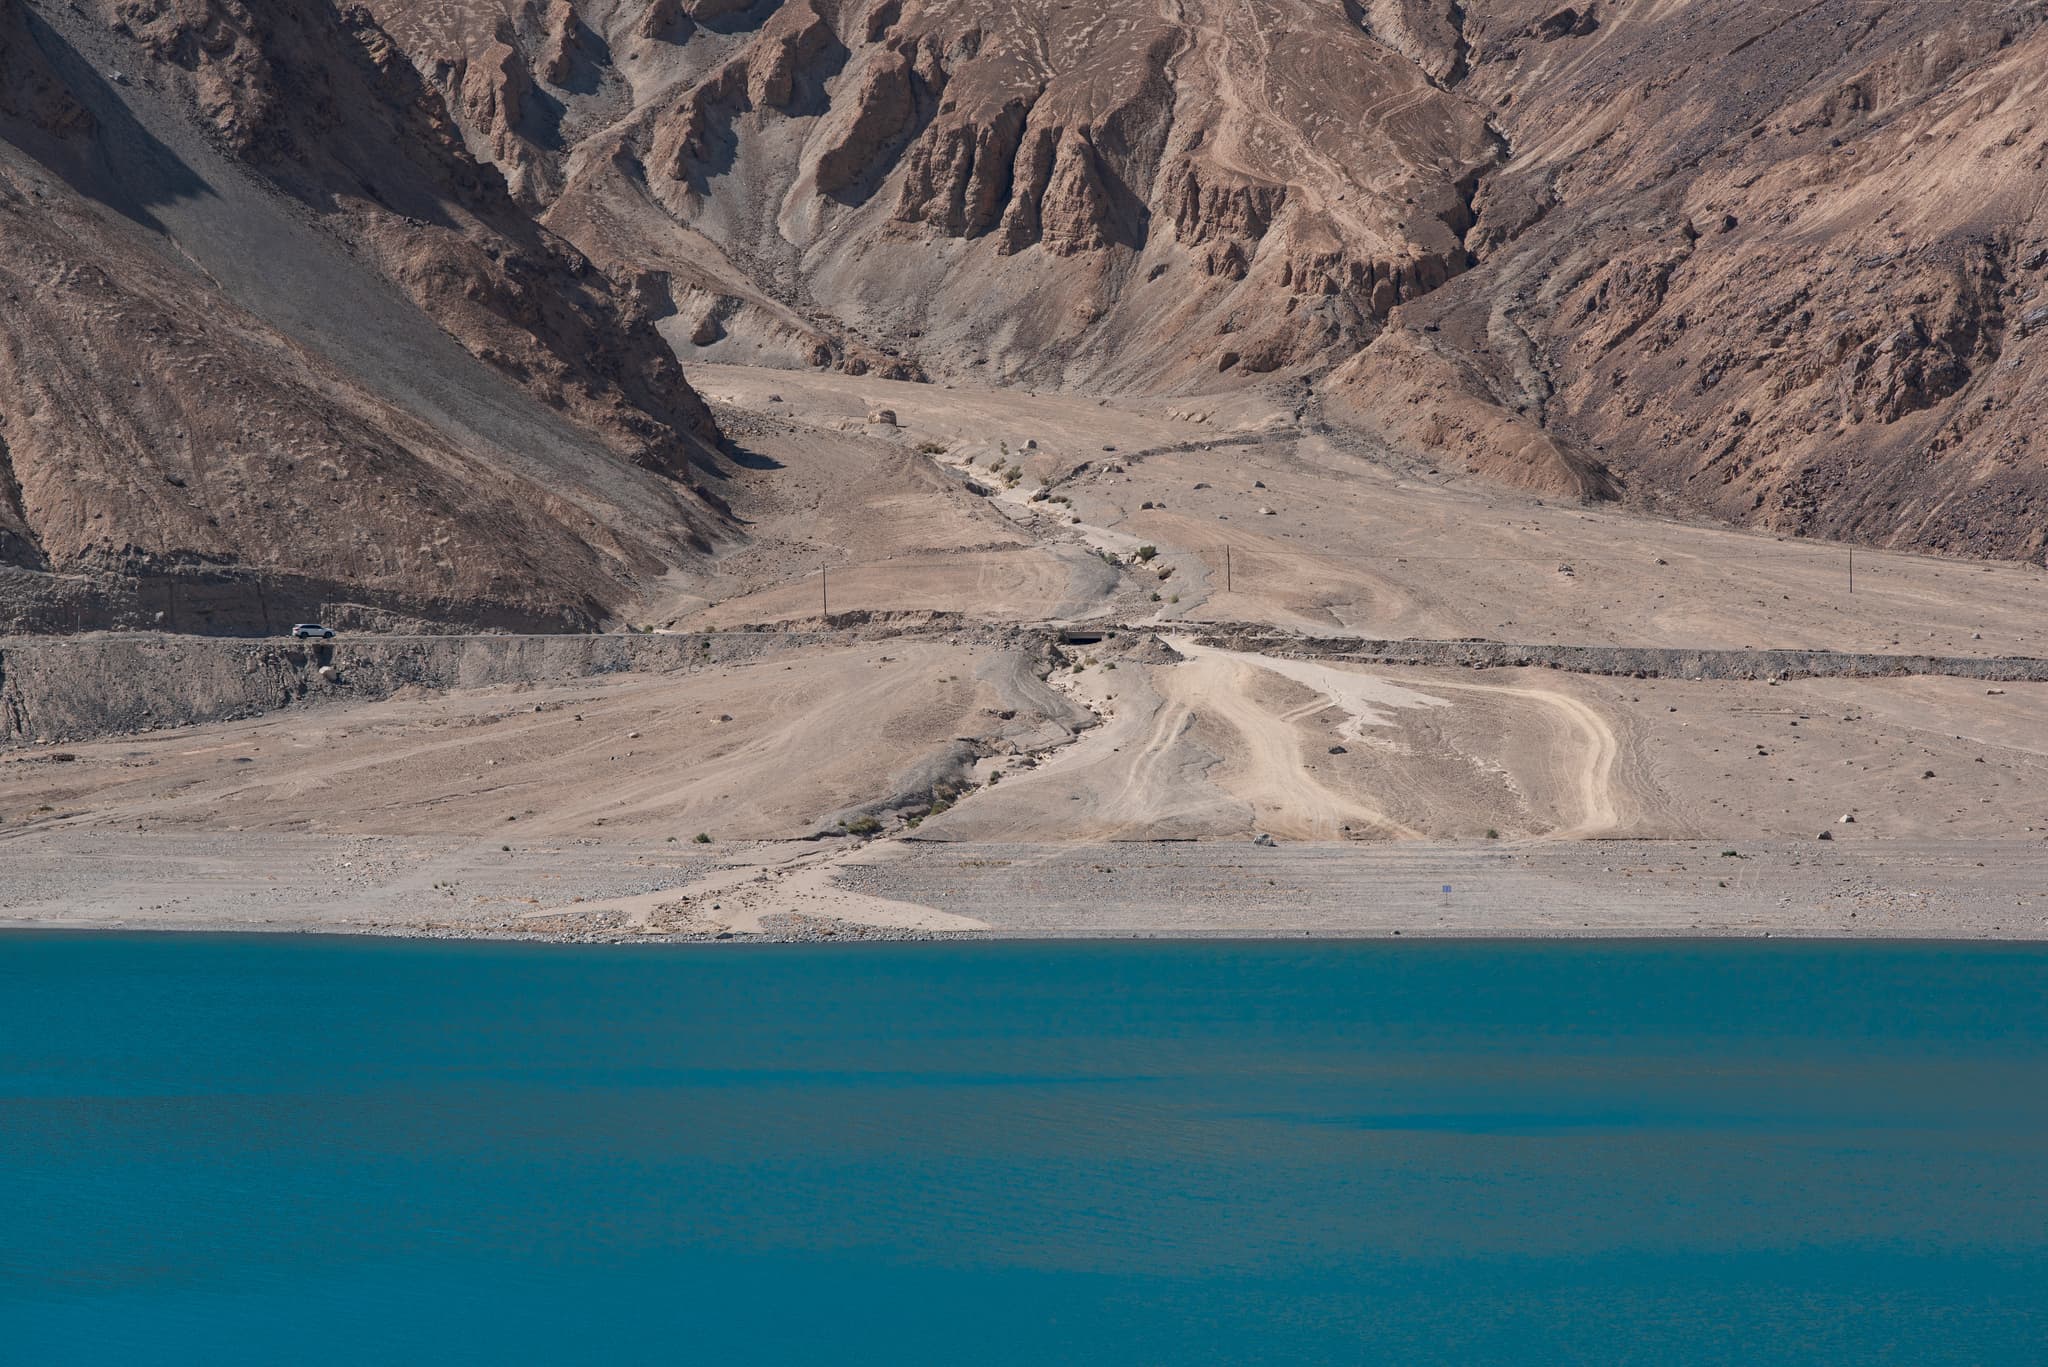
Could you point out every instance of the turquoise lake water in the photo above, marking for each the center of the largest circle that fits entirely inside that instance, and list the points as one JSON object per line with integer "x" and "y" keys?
{"x": 233, "y": 1150}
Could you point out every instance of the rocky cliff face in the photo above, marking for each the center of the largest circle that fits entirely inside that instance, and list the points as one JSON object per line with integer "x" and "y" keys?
{"x": 1030, "y": 191}
{"x": 1783, "y": 265}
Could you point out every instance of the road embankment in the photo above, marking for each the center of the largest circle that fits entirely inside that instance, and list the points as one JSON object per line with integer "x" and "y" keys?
{"x": 59, "y": 688}
{"x": 73, "y": 688}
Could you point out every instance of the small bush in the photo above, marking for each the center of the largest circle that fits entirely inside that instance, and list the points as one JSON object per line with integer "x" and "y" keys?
{"x": 1492, "y": 834}
{"x": 932, "y": 448}
{"x": 862, "y": 825}
{"x": 1155, "y": 597}
{"x": 702, "y": 839}
{"x": 1147, "y": 552}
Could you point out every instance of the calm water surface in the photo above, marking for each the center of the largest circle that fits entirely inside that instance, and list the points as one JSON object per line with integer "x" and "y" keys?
{"x": 232, "y": 1150}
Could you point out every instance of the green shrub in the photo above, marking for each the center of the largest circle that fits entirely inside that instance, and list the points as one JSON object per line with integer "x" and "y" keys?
{"x": 702, "y": 839}
{"x": 1147, "y": 552}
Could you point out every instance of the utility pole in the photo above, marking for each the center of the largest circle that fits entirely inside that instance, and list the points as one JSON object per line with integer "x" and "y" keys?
{"x": 1226, "y": 569}
{"x": 824, "y": 594}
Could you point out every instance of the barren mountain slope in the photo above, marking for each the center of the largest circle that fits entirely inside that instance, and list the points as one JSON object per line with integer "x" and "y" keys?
{"x": 270, "y": 339}
{"x": 1774, "y": 262}
{"x": 1130, "y": 195}
{"x": 1780, "y": 262}
{"x": 1777, "y": 263}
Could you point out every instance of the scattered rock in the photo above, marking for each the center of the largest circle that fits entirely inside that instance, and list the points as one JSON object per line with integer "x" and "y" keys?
{"x": 881, "y": 417}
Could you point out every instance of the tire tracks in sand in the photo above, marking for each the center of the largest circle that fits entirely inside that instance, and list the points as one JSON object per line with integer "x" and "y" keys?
{"x": 1219, "y": 683}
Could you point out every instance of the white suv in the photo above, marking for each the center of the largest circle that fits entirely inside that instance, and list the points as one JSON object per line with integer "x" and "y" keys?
{"x": 313, "y": 631}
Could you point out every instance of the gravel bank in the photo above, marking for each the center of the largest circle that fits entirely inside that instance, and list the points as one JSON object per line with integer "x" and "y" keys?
{"x": 1920, "y": 889}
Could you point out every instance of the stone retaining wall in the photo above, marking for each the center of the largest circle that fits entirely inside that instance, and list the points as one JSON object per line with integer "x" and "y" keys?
{"x": 1645, "y": 662}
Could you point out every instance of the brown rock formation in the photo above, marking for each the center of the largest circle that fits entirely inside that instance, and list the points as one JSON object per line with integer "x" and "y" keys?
{"x": 1782, "y": 265}
{"x": 1769, "y": 264}
{"x": 1796, "y": 302}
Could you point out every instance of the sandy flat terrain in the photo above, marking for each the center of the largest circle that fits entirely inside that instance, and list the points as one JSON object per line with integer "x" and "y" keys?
{"x": 1353, "y": 547}
{"x": 1362, "y": 540}
{"x": 773, "y": 749}
{"x": 998, "y": 771}
{"x": 1229, "y": 746}
{"x": 570, "y": 810}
